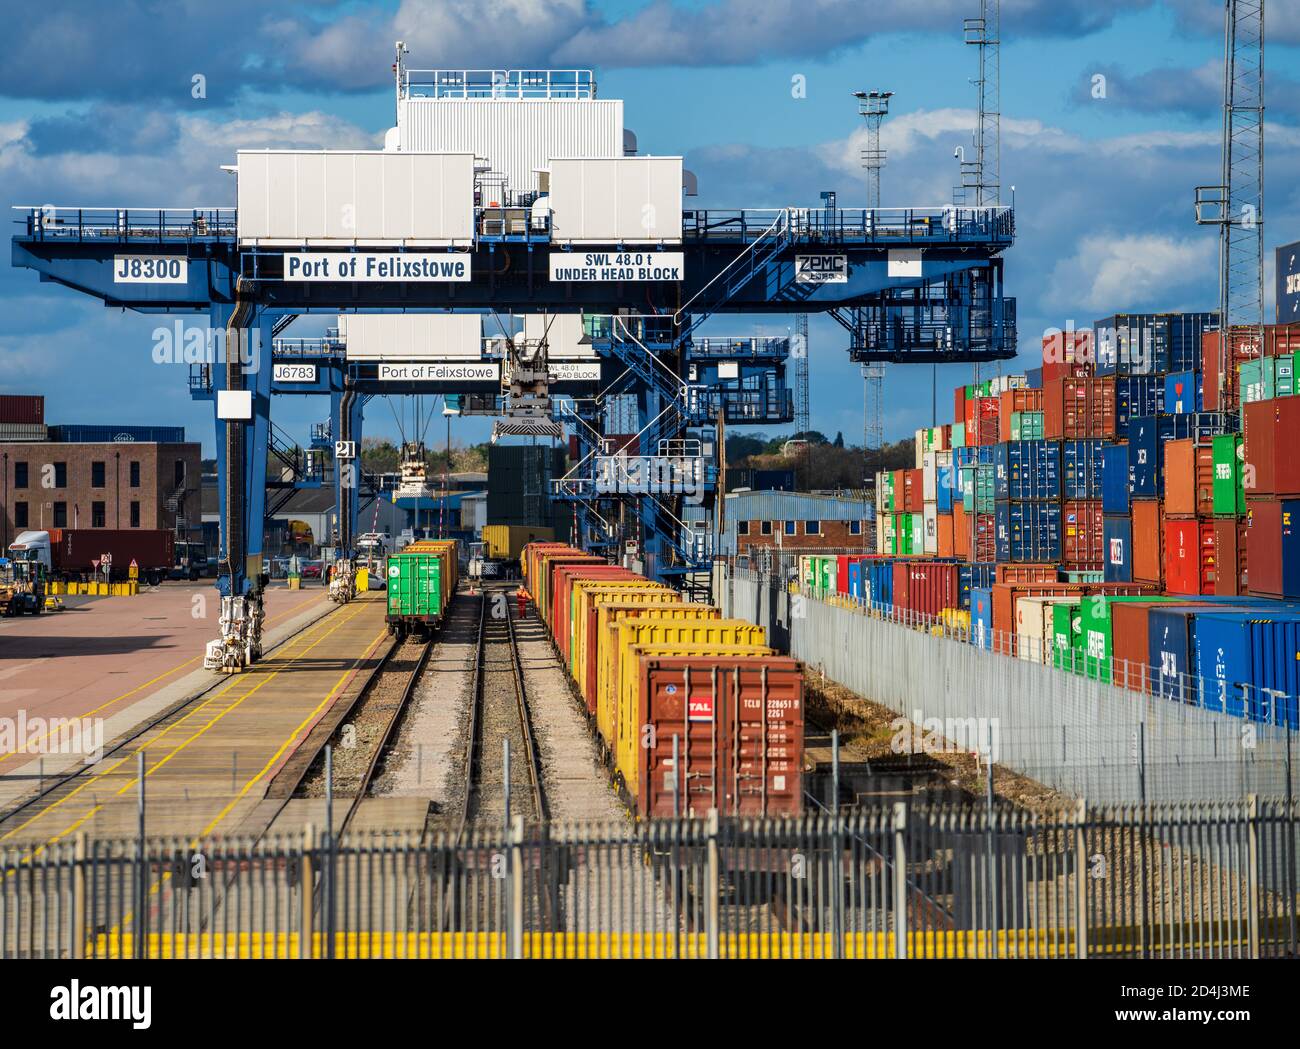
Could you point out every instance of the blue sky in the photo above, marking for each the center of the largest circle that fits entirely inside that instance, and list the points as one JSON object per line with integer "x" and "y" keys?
{"x": 96, "y": 109}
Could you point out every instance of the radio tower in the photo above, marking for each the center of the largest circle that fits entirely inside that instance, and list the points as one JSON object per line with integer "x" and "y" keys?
{"x": 981, "y": 177}
{"x": 874, "y": 107}
{"x": 1236, "y": 206}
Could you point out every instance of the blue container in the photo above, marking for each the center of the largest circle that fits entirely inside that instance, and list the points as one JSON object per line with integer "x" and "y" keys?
{"x": 857, "y": 580}
{"x": 1114, "y": 479}
{"x": 1241, "y": 657}
{"x": 970, "y": 455}
{"x": 1136, "y": 396}
{"x": 880, "y": 583}
{"x": 1170, "y": 652}
{"x": 1081, "y": 466}
{"x": 1182, "y": 392}
{"x": 981, "y": 617}
{"x": 1117, "y": 533}
{"x": 1027, "y": 470}
{"x": 1034, "y": 377}
{"x": 1028, "y": 532}
{"x": 1146, "y": 446}
{"x": 1125, "y": 344}
{"x": 979, "y": 575}
{"x": 946, "y": 483}
{"x": 94, "y": 433}
{"x": 1184, "y": 335}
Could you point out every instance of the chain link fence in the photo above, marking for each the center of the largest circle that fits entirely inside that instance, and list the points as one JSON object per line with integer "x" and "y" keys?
{"x": 1077, "y": 734}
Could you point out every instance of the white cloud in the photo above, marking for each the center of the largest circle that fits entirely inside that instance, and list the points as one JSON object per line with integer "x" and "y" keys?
{"x": 1109, "y": 272}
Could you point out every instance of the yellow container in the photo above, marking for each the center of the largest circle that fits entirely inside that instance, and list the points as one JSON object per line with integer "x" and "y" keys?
{"x": 507, "y": 542}
{"x": 540, "y": 587}
{"x": 955, "y": 617}
{"x": 586, "y": 593}
{"x": 363, "y": 580}
{"x": 610, "y": 610}
{"x": 627, "y": 753}
{"x": 658, "y": 629}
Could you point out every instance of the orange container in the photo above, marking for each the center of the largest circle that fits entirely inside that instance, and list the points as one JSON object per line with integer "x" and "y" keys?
{"x": 1020, "y": 400}
{"x": 1189, "y": 479}
{"x": 1148, "y": 541}
{"x": 1006, "y": 572}
{"x": 961, "y": 525}
{"x": 945, "y": 536}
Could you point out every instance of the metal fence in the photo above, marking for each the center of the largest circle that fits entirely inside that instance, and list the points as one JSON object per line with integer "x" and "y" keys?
{"x": 1213, "y": 880}
{"x": 1077, "y": 734}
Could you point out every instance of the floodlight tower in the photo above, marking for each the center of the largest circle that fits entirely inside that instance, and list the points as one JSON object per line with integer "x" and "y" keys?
{"x": 1236, "y": 205}
{"x": 874, "y": 107}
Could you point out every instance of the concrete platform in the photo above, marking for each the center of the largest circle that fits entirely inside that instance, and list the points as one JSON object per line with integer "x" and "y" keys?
{"x": 208, "y": 763}
{"x": 119, "y": 660}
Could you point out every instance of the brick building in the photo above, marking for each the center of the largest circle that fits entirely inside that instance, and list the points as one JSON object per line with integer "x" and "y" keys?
{"x": 103, "y": 484}
{"x": 797, "y": 521}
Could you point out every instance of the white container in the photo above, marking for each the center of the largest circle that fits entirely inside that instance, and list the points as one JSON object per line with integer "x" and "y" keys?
{"x": 931, "y": 540}
{"x": 296, "y": 198}
{"x": 514, "y": 137}
{"x": 564, "y": 334}
{"x": 929, "y": 477}
{"x": 1034, "y": 626}
{"x": 412, "y": 336}
{"x": 629, "y": 200}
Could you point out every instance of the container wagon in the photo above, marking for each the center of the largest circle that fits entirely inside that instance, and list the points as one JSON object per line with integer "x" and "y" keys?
{"x": 422, "y": 581}
{"x": 647, "y": 665}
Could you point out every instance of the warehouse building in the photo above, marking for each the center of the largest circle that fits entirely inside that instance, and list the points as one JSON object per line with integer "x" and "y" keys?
{"x": 796, "y": 521}
{"x": 93, "y": 476}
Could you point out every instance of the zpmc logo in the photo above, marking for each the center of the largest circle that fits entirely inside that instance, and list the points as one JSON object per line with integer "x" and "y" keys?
{"x": 822, "y": 269}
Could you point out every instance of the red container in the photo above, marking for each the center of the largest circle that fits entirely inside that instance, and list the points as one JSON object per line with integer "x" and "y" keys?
{"x": 1005, "y": 572}
{"x": 984, "y": 537}
{"x": 73, "y": 551}
{"x": 1189, "y": 557}
{"x": 1272, "y": 464}
{"x": 562, "y": 594}
{"x": 1068, "y": 355}
{"x": 913, "y": 491}
{"x": 1148, "y": 541}
{"x": 1230, "y": 557}
{"x": 927, "y": 587}
{"x": 1279, "y": 339}
{"x": 1189, "y": 479}
{"x": 959, "y": 404}
{"x": 842, "y": 572}
{"x": 740, "y": 748}
{"x": 1264, "y": 546}
{"x": 1082, "y": 542}
{"x": 26, "y": 409}
{"x": 1016, "y": 401}
{"x": 987, "y": 410}
{"x": 961, "y": 526}
{"x": 968, "y": 418}
{"x": 1079, "y": 408}
{"x": 1130, "y": 644}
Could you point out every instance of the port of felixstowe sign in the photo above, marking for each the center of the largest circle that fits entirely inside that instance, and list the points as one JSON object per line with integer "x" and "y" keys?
{"x": 617, "y": 265}
{"x": 406, "y": 266}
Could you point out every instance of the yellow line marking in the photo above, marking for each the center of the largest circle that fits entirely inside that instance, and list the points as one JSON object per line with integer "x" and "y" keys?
{"x": 159, "y": 882}
{"x": 108, "y": 703}
{"x": 180, "y": 721}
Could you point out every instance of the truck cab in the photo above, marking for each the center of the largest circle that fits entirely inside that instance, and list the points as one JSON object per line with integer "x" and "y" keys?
{"x": 191, "y": 561}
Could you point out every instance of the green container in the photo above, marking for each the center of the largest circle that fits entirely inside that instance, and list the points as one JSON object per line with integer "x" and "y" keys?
{"x": 1284, "y": 376}
{"x": 985, "y": 488}
{"x": 1252, "y": 381}
{"x": 905, "y": 543}
{"x": 415, "y": 586}
{"x": 1096, "y": 637}
{"x": 1067, "y": 641}
{"x": 1229, "y": 478}
{"x": 887, "y": 489}
{"x": 1086, "y": 578}
{"x": 1027, "y": 426}
{"x": 959, "y": 435}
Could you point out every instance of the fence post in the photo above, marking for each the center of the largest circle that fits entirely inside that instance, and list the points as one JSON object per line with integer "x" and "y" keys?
{"x": 515, "y": 926}
{"x": 1081, "y": 879}
{"x": 900, "y": 880}
{"x": 712, "y": 887}
{"x": 79, "y": 897}
{"x": 307, "y": 894}
{"x": 1252, "y": 873}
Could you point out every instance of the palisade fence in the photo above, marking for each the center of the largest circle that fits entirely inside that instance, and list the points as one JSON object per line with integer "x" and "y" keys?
{"x": 1083, "y": 737}
{"x": 890, "y": 881}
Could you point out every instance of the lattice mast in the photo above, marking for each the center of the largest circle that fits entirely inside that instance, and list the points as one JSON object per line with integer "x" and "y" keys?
{"x": 1236, "y": 205}
{"x": 874, "y": 107}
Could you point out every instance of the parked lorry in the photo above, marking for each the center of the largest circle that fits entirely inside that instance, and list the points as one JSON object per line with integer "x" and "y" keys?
{"x": 71, "y": 553}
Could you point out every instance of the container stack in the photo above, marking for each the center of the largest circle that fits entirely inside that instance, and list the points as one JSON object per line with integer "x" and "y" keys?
{"x": 22, "y": 418}
{"x": 1124, "y": 472}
